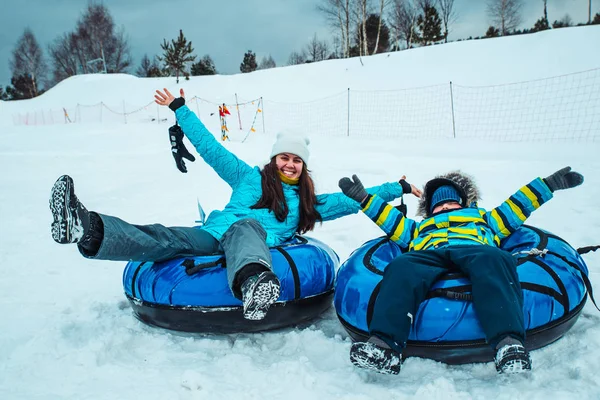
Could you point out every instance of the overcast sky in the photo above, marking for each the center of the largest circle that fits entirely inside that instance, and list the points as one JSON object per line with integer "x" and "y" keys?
{"x": 226, "y": 29}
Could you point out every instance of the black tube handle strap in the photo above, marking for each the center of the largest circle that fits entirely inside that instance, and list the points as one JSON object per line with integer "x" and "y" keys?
{"x": 191, "y": 267}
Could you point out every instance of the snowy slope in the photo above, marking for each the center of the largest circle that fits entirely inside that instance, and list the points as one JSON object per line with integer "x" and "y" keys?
{"x": 67, "y": 331}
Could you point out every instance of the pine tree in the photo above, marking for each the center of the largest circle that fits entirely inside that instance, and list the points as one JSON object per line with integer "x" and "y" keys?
{"x": 372, "y": 25}
{"x": 205, "y": 66}
{"x": 596, "y": 19}
{"x": 177, "y": 54}
{"x": 492, "y": 32}
{"x": 21, "y": 88}
{"x": 3, "y": 95}
{"x": 430, "y": 25}
{"x": 542, "y": 24}
{"x": 249, "y": 63}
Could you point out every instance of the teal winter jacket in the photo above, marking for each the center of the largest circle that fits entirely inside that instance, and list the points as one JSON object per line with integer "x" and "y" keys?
{"x": 245, "y": 181}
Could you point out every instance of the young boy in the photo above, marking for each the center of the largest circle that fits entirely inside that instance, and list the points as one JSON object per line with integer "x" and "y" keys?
{"x": 454, "y": 234}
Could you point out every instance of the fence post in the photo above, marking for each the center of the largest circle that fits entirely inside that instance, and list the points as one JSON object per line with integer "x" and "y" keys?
{"x": 124, "y": 113}
{"x": 157, "y": 114}
{"x": 237, "y": 107}
{"x": 452, "y": 104}
{"x": 348, "y": 124}
{"x": 262, "y": 111}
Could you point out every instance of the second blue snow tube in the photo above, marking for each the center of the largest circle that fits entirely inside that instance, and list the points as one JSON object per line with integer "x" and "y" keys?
{"x": 553, "y": 277}
{"x": 191, "y": 294}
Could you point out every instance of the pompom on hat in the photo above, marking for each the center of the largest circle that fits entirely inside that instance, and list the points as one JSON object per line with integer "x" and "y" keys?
{"x": 288, "y": 142}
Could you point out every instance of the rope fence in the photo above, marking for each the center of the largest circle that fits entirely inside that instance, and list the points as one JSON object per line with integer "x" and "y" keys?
{"x": 560, "y": 108}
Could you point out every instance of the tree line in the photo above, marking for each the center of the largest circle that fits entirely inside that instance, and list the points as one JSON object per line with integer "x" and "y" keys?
{"x": 359, "y": 28}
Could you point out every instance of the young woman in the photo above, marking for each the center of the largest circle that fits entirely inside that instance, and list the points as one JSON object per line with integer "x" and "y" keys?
{"x": 267, "y": 207}
{"x": 454, "y": 234}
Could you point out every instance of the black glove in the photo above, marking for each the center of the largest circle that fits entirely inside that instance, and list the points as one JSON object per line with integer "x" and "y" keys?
{"x": 355, "y": 190}
{"x": 175, "y": 104}
{"x": 564, "y": 179}
{"x": 402, "y": 207}
{"x": 178, "y": 148}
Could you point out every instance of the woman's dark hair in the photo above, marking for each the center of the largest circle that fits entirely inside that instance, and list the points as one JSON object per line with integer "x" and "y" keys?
{"x": 273, "y": 199}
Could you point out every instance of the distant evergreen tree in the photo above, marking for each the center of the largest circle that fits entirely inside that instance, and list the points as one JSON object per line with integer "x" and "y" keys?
{"x": 3, "y": 95}
{"x": 540, "y": 25}
{"x": 492, "y": 32}
{"x": 596, "y": 19}
{"x": 249, "y": 63}
{"x": 205, "y": 66}
{"x": 22, "y": 88}
{"x": 564, "y": 22}
{"x": 430, "y": 25}
{"x": 267, "y": 62}
{"x": 371, "y": 26}
{"x": 177, "y": 54}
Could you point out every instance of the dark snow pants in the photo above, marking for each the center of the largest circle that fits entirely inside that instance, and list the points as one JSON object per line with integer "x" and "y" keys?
{"x": 243, "y": 243}
{"x": 497, "y": 295}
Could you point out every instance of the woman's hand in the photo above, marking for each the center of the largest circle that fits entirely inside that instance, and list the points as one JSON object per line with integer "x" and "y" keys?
{"x": 166, "y": 98}
{"x": 413, "y": 189}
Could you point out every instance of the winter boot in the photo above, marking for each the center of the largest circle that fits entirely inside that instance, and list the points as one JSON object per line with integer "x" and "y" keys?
{"x": 376, "y": 355}
{"x": 71, "y": 219}
{"x": 512, "y": 357}
{"x": 258, "y": 293}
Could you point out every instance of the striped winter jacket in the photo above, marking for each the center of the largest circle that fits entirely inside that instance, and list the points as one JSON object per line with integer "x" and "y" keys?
{"x": 245, "y": 182}
{"x": 464, "y": 226}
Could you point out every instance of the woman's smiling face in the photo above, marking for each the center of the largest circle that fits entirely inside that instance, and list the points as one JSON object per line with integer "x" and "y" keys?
{"x": 289, "y": 164}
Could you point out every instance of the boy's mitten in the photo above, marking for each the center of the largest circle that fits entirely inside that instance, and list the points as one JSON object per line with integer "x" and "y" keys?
{"x": 353, "y": 188}
{"x": 178, "y": 148}
{"x": 564, "y": 179}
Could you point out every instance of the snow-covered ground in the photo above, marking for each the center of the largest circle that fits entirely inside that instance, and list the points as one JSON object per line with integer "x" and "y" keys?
{"x": 67, "y": 331}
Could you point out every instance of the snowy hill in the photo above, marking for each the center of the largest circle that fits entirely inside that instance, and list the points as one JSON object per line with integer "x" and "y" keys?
{"x": 68, "y": 332}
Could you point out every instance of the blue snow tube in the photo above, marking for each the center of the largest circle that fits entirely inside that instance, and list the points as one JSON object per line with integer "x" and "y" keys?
{"x": 553, "y": 276}
{"x": 192, "y": 295}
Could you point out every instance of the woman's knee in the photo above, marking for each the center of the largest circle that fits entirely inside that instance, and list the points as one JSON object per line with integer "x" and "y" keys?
{"x": 246, "y": 226}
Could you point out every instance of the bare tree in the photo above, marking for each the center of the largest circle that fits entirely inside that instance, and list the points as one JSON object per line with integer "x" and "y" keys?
{"x": 28, "y": 61}
{"x": 144, "y": 67}
{"x": 267, "y": 62}
{"x": 337, "y": 13}
{"x": 100, "y": 41}
{"x": 505, "y": 14}
{"x": 64, "y": 57}
{"x": 316, "y": 50}
{"x": 448, "y": 14}
{"x": 296, "y": 58}
{"x": 361, "y": 15}
{"x": 403, "y": 20}
{"x": 564, "y": 22}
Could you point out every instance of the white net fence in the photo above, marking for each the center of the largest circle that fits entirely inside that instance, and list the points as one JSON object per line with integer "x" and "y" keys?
{"x": 565, "y": 107}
